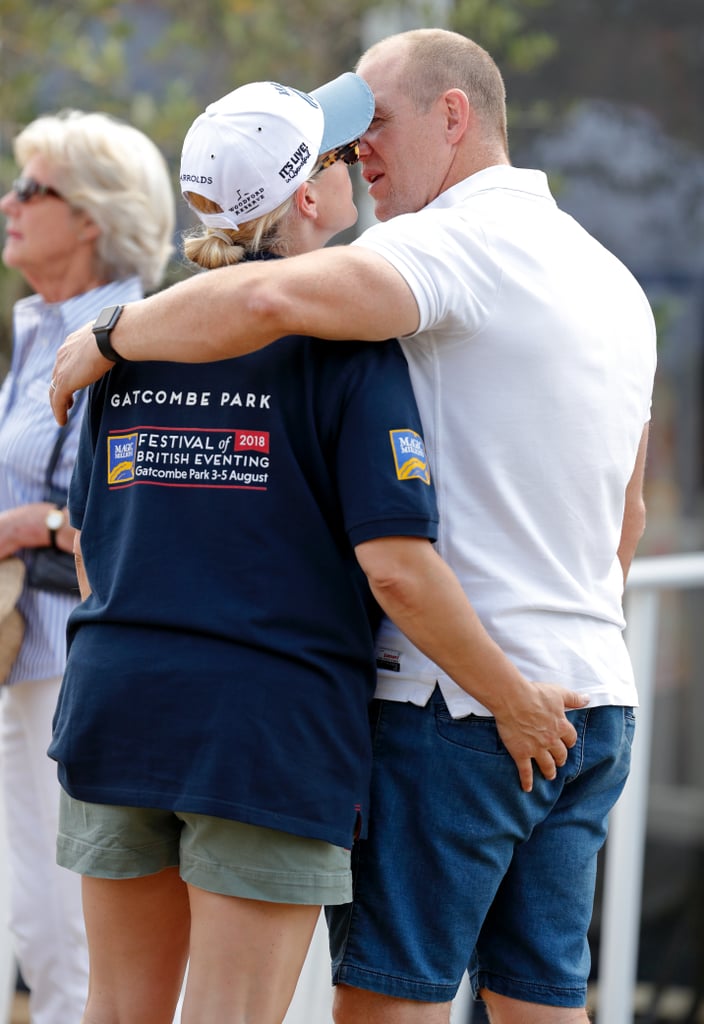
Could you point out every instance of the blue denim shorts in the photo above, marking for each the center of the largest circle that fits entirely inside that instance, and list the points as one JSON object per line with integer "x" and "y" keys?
{"x": 462, "y": 870}
{"x": 228, "y": 857}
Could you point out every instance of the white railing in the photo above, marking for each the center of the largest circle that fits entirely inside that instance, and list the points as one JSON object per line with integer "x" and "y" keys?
{"x": 623, "y": 879}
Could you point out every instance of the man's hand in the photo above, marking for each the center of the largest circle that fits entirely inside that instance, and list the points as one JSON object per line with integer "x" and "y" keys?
{"x": 536, "y": 729}
{"x": 78, "y": 364}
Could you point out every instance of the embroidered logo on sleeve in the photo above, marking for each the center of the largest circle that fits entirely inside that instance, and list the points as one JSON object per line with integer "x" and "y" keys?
{"x": 409, "y": 455}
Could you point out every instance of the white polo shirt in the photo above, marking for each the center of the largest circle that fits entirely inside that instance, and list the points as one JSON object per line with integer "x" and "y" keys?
{"x": 533, "y": 369}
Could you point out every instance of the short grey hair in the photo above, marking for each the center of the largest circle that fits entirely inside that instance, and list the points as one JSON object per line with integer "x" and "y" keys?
{"x": 436, "y": 60}
{"x": 116, "y": 175}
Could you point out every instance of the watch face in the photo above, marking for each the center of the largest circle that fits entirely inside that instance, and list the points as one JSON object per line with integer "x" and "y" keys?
{"x": 55, "y": 520}
{"x": 107, "y": 317}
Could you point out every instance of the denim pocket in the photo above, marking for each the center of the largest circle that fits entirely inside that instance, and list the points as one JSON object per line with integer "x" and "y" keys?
{"x": 473, "y": 732}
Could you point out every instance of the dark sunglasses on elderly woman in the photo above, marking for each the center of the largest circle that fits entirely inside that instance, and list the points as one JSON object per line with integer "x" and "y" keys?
{"x": 26, "y": 188}
{"x": 348, "y": 153}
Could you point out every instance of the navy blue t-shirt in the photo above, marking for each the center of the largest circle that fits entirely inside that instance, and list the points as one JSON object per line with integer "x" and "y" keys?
{"x": 224, "y": 661}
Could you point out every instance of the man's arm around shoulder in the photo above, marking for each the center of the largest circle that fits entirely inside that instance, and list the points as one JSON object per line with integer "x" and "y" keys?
{"x": 341, "y": 293}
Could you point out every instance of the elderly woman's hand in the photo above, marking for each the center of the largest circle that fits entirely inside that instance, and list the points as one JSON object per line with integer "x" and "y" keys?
{"x": 25, "y": 527}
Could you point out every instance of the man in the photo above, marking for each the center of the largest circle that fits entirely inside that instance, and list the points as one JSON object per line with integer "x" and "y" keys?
{"x": 532, "y": 354}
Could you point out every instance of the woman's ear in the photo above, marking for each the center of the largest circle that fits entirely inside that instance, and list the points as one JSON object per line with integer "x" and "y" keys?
{"x": 306, "y": 202}
{"x": 88, "y": 230}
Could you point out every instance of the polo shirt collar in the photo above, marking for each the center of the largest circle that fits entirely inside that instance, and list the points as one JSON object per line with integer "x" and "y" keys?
{"x": 499, "y": 176}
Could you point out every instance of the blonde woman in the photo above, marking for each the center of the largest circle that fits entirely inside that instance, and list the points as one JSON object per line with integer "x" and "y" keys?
{"x": 89, "y": 221}
{"x": 212, "y": 731}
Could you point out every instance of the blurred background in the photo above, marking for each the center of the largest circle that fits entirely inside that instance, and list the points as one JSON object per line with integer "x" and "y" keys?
{"x": 607, "y": 97}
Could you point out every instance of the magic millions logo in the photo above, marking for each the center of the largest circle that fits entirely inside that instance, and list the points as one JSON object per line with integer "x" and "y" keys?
{"x": 122, "y": 450}
{"x": 409, "y": 455}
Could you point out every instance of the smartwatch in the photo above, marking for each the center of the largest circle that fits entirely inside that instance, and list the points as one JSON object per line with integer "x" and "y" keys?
{"x": 106, "y": 320}
{"x": 54, "y": 521}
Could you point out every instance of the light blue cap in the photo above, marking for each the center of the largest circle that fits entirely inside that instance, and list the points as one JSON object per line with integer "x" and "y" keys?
{"x": 251, "y": 149}
{"x": 348, "y": 108}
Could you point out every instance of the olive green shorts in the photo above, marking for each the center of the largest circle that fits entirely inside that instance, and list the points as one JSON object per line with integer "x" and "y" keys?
{"x": 216, "y": 854}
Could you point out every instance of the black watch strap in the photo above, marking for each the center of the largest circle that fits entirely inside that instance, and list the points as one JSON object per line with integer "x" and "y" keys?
{"x": 102, "y": 328}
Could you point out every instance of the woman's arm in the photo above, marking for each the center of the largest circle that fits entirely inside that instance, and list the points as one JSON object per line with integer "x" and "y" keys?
{"x": 83, "y": 584}
{"x": 422, "y": 595}
{"x": 25, "y": 527}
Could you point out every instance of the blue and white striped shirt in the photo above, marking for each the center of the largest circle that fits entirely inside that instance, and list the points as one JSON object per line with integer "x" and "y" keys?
{"x": 27, "y": 434}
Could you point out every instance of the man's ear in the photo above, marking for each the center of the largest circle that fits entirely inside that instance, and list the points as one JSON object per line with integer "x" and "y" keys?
{"x": 458, "y": 113}
{"x": 306, "y": 203}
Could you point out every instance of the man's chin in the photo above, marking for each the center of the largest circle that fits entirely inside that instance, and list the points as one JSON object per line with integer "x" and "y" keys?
{"x": 382, "y": 211}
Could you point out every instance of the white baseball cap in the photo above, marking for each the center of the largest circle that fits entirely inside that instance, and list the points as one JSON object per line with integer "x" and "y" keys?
{"x": 249, "y": 151}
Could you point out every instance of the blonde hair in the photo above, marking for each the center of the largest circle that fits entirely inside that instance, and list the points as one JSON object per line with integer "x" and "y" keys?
{"x": 116, "y": 175}
{"x": 434, "y": 60}
{"x": 222, "y": 247}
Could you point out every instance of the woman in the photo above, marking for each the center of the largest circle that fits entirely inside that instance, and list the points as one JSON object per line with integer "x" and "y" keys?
{"x": 217, "y": 776}
{"x": 89, "y": 222}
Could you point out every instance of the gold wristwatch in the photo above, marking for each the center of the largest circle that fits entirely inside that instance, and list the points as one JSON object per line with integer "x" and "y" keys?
{"x": 54, "y": 521}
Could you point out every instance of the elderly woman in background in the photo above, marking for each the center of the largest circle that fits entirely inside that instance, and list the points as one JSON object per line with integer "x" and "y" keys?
{"x": 89, "y": 223}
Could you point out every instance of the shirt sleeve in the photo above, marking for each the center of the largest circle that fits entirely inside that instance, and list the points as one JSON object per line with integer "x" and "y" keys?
{"x": 383, "y": 476}
{"x": 449, "y": 265}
